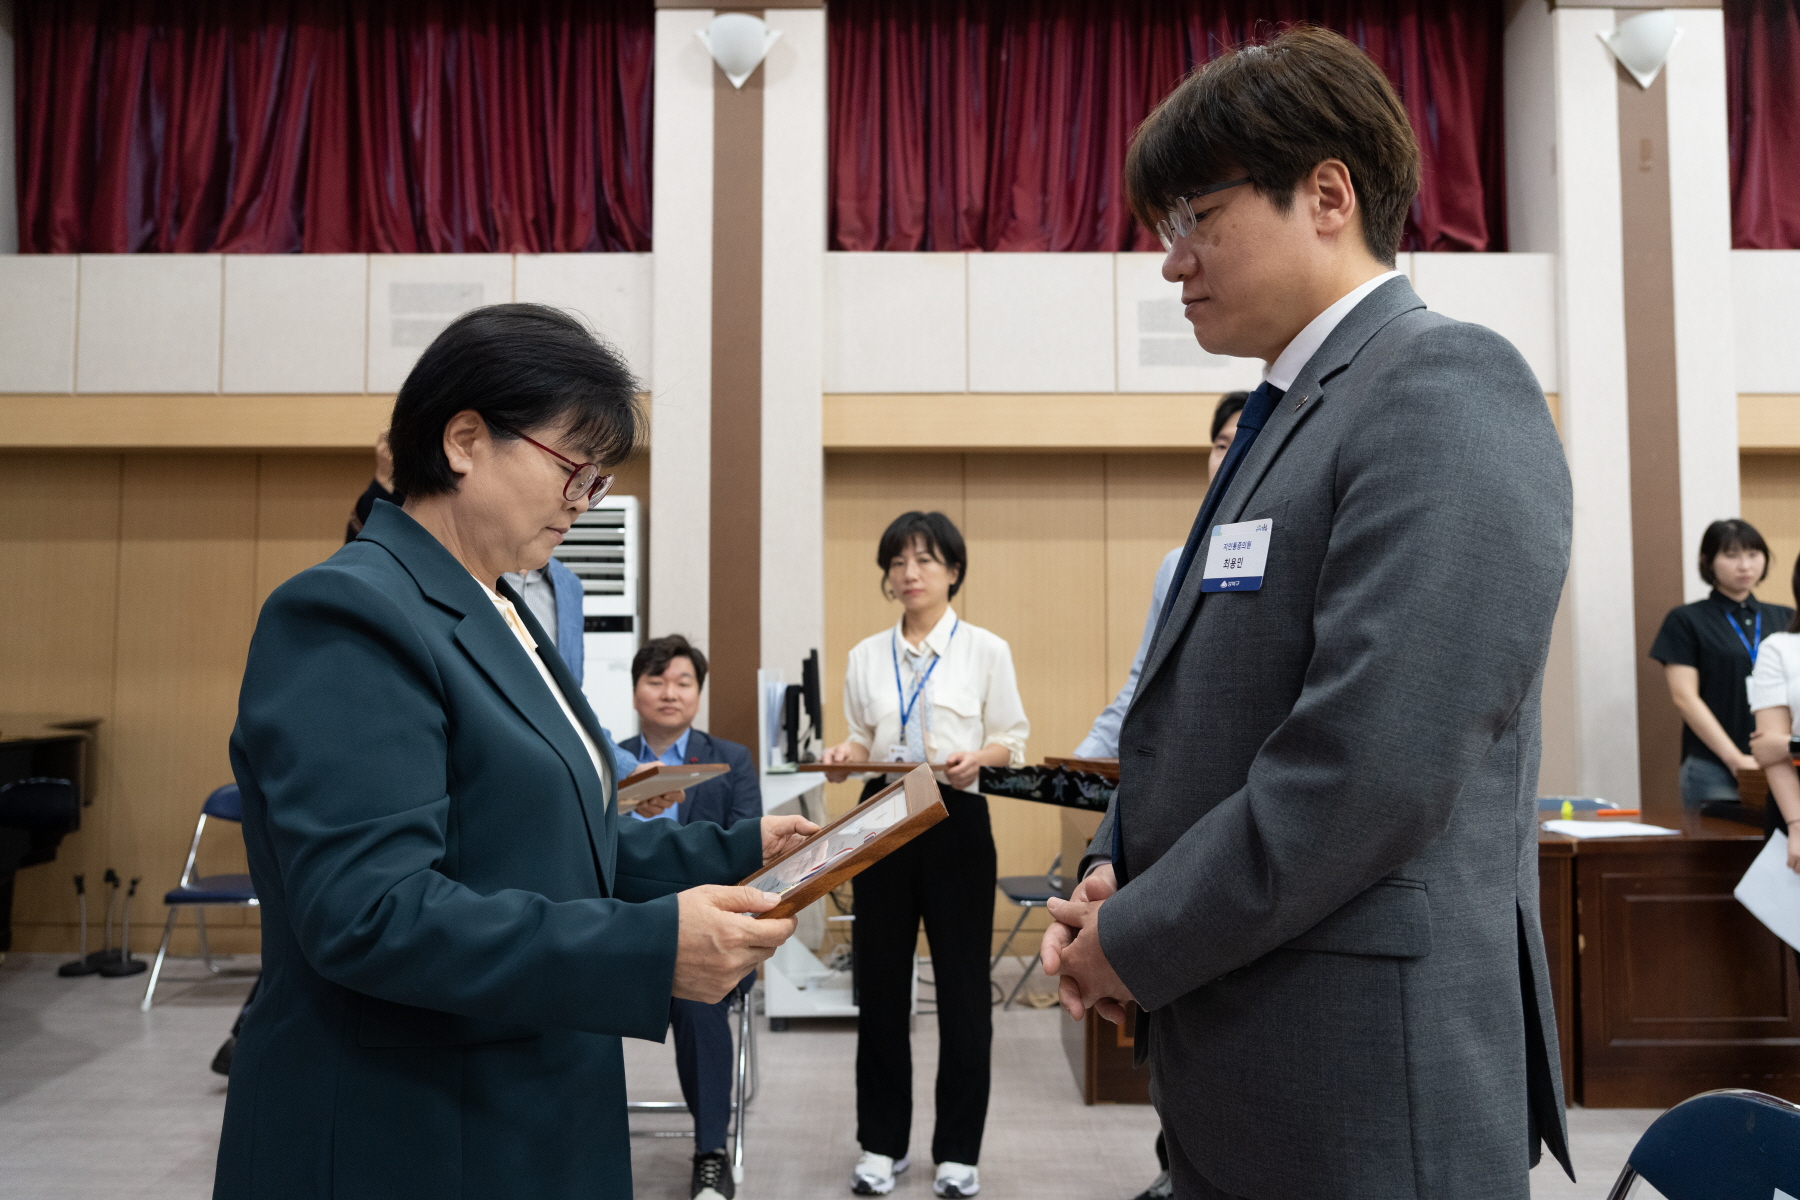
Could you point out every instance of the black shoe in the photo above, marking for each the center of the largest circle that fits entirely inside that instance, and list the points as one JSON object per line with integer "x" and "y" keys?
{"x": 221, "y": 1063}
{"x": 712, "y": 1177}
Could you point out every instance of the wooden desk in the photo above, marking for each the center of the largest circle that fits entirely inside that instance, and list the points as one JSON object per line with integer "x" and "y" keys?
{"x": 1664, "y": 984}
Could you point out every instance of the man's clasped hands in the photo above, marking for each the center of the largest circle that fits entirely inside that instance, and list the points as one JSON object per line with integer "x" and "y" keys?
{"x": 1071, "y": 949}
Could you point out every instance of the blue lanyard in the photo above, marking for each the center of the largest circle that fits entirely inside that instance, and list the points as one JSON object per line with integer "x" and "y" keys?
{"x": 1750, "y": 647}
{"x": 907, "y": 706}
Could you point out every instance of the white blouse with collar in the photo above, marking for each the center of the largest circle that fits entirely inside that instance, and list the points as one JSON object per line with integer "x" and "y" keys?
{"x": 972, "y": 692}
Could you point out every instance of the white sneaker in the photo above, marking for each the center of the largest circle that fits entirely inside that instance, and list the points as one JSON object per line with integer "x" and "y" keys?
{"x": 874, "y": 1174}
{"x": 957, "y": 1179}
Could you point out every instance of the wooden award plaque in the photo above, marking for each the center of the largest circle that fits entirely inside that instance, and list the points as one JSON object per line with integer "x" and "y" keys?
{"x": 871, "y": 831}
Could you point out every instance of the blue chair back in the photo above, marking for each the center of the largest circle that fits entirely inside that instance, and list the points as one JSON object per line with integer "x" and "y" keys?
{"x": 226, "y": 803}
{"x": 1723, "y": 1145}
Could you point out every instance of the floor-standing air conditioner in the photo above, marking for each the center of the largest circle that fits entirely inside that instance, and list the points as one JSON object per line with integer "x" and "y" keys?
{"x": 603, "y": 550}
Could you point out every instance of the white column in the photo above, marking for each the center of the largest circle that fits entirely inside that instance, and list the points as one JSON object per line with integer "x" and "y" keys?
{"x": 1530, "y": 109}
{"x": 793, "y": 290}
{"x": 9, "y": 146}
{"x": 1705, "y": 330}
{"x": 1533, "y": 227}
{"x": 1590, "y": 303}
{"x": 681, "y": 330}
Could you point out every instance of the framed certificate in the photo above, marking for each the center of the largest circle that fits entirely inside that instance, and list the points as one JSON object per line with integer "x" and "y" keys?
{"x": 653, "y": 779}
{"x": 861, "y": 768}
{"x": 871, "y": 831}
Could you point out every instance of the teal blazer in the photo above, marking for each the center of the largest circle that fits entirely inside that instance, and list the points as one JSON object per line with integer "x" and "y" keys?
{"x": 457, "y": 929}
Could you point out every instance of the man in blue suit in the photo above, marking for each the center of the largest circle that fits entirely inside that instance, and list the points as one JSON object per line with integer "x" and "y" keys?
{"x": 666, "y": 677}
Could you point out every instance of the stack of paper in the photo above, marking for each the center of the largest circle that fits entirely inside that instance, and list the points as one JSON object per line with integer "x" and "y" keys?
{"x": 1772, "y": 892}
{"x": 1606, "y": 829}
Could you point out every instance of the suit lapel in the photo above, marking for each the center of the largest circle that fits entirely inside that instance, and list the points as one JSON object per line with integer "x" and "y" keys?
{"x": 1306, "y": 397}
{"x": 699, "y": 747}
{"x": 546, "y": 716}
{"x": 483, "y": 636}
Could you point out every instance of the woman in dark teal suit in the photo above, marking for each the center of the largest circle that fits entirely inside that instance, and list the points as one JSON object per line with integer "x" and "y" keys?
{"x": 457, "y": 930}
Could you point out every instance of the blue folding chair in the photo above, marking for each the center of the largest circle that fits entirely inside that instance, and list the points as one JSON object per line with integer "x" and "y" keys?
{"x": 1725, "y": 1145}
{"x": 225, "y": 804}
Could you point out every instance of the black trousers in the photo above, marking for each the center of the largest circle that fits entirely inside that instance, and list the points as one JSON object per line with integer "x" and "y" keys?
{"x": 944, "y": 877}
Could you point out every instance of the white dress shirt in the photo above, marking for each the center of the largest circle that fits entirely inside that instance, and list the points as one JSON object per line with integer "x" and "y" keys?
{"x": 1776, "y": 680}
{"x": 969, "y": 700}
{"x": 510, "y": 615}
{"x": 1287, "y": 365}
{"x": 1102, "y": 740}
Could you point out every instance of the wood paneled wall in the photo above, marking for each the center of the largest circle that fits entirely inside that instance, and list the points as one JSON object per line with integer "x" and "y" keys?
{"x": 1063, "y": 549}
{"x": 1770, "y": 486}
{"x": 133, "y": 585}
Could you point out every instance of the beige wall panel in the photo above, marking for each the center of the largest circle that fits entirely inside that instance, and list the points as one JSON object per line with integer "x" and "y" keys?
{"x": 59, "y": 527}
{"x": 303, "y": 504}
{"x": 1036, "y": 529}
{"x": 1151, "y": 500}
{"x": 187, "y": 572}
{"x": 1771, "y": 502}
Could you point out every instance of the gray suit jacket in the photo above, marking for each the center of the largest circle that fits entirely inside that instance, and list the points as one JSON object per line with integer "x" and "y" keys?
{"x": 1327, "y": 789}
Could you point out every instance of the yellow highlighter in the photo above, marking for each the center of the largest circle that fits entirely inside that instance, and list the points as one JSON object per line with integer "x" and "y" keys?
{"x": 1568, "y": 811}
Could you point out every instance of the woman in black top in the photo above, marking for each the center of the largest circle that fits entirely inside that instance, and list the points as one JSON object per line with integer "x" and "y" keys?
{"x": 1708, "y": 649}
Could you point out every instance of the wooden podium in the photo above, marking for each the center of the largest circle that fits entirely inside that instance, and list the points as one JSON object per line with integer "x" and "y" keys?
{"x": 1664, "y": 984}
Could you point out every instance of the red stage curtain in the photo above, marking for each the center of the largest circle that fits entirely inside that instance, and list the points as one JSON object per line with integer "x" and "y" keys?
{"x": 1002, "y": 124}
{"x": 1762, "y": 63}
{"x": 266, "y": 126}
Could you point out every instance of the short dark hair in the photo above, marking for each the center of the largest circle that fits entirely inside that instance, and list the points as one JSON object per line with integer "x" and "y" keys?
{"x": 1230, "y": 405}
{"x": 940, "y": 535}
{"x": 1732, "y": 534}
{"x": 522, "y": 367}
{"x": 1273, "y": 111}
{"x": 655, "y": 655}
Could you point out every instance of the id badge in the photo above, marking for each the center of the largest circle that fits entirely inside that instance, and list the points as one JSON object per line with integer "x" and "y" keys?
{"x": 897, "y": 753}
{"x": 1235, "y": 556}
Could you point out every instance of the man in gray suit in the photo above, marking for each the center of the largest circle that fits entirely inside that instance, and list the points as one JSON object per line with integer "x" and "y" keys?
{"x": 1319, "y": 879}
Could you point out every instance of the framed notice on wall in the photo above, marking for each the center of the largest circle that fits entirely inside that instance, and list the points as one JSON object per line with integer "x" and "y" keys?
{"x": 867, "y": 833}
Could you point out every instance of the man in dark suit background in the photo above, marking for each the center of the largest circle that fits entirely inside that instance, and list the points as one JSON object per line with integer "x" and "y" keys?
{"x": 1318, "y": 878}
{"x": 666, "y": 677}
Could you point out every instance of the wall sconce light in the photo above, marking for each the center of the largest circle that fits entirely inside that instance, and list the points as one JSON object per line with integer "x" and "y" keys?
{"x": 1642, "y": 44}
{"x": 738, "y": 42}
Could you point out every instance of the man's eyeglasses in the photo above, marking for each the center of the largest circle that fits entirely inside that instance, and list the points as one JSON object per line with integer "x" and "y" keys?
{"x": 583, "y": 477}
{"x": 1180, "y": 221}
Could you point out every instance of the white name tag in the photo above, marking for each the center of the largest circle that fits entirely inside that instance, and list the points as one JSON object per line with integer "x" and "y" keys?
{"x": 1235, "y": 556}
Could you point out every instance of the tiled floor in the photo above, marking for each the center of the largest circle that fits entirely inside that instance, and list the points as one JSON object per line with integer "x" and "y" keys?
{"x": 97, "y": 1099}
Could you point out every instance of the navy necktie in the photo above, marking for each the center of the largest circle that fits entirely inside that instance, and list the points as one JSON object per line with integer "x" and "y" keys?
{"x": 1256, "y": 412}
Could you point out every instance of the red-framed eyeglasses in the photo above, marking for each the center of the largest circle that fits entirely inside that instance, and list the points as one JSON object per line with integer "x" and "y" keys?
{"x": 583, "y": 477}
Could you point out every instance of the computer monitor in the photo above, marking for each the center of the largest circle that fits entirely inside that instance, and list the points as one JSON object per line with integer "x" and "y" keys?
{"x": 803, "y": 697}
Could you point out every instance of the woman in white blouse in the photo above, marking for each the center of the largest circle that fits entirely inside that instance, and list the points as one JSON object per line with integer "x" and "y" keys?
{"x": 1774, "y": 686}
{"x": 931, "y": 689}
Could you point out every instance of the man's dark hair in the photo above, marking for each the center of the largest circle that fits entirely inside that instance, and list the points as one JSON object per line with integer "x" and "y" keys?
{"x": 1732, "y": 534}
{"x": 523, "y": 367}
{"x": 1230, "y": 405}
{"x": 1273, "y": 111}
{"x": 654, "y": 657}
{"x": 937, "y": 532}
